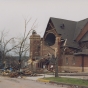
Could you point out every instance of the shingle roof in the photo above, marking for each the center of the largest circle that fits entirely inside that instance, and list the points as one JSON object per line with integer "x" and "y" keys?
{"x": 84, "y": 52}
{"x": 79, "y": 27}
{"x": 70, "y": 30}
{"x": 67, "y": 32}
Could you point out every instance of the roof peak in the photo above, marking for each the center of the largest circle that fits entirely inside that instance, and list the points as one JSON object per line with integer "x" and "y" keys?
{"x": 68, "y": 19}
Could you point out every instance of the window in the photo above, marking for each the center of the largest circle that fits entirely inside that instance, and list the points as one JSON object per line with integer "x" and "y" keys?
{"x": 66, "y": 60}
{"x": 73, "y": 61}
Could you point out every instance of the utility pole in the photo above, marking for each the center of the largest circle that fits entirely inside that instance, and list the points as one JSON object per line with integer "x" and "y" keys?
{"x": 58, "y": 39}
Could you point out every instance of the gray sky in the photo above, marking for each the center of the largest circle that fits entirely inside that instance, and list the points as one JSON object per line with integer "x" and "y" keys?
{"x": 13, "y": 12}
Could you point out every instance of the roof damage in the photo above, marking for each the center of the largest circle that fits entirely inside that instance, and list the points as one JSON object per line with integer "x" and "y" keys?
{"x": 70, "y": 30}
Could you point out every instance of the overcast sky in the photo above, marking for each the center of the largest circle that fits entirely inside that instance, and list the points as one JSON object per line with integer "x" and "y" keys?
{"x": 13, "y": 13}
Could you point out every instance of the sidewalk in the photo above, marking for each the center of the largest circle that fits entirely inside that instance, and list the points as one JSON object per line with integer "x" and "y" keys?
{"x": 38, "y": 77}
{"x": 50, "y": 75}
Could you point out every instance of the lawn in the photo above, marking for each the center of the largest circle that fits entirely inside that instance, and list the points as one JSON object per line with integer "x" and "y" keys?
{"x": 80, "y": 82}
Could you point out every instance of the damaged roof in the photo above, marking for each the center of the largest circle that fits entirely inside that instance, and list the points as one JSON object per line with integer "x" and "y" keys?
{"x": 84, "y": 52}
{"x": 70, "y": 30}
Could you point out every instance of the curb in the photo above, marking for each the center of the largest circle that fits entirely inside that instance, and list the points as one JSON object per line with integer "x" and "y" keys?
{"x": 69, "y": 85}
{"x": 43, "y": 80}
{"x": 63, "y": 84}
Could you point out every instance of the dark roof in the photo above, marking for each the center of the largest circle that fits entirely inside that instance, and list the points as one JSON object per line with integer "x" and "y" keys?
{"x": 79, "y": 27}
{"x": 84, "y": 52}
{"x": 85, "y": 37}
{"x": 67, "y": 32}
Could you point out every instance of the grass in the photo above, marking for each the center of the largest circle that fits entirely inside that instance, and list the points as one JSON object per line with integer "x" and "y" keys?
{"x": 73, "y": 81}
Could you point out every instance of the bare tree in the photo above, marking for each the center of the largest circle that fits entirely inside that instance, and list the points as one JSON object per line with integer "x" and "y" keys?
{"x": 23, "y": 45}
{"x": 4, "y": 45}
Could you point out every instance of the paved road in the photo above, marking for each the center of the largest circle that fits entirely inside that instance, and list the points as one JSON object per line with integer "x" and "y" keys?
{"x": 24, "y": 83}
{"x": 30, "y": 82}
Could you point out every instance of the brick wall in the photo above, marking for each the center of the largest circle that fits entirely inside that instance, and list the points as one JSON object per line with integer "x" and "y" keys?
{"x": 34, "y": 46}
{"x": 86, "y": 61}
{"x": 74, "y": 66}
{"x": 66, "y": 62}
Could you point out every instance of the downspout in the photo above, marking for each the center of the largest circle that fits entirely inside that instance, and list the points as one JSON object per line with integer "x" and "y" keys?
{"x": 82, "y": 63}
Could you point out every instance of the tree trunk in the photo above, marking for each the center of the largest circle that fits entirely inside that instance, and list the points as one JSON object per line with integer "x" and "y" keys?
{"x": 19, "y": 62}
{"x": 57, "y": 55}
{"x": 56, "y": 67}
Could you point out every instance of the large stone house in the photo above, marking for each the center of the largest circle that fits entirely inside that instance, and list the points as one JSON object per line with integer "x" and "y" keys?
{"x": 73, "y": 44}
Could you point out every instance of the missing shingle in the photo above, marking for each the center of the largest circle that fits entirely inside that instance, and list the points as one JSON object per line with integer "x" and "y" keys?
{"x": 62, "y": 26}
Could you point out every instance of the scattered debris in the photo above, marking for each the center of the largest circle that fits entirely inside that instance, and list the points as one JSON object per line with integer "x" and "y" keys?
{"x": 13, "y": 74}
{"x": 23, "y": 72}
{"x": 27, "y": 72}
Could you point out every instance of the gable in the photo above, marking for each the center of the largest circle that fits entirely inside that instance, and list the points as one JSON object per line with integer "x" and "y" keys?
{"x": 84, "y": 38}
{"x": 50, "y": 28}
{"x": 67, "y": 32}
{"x": 79, "y": 28}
